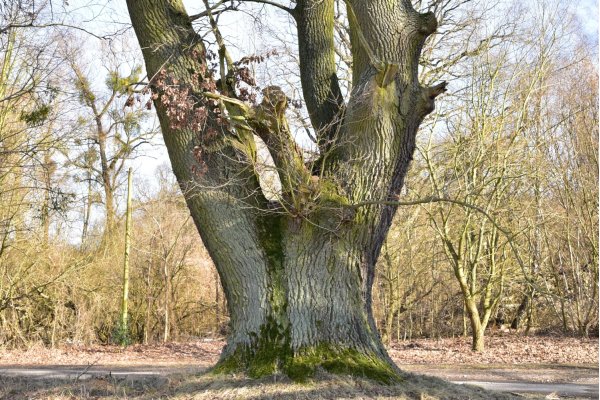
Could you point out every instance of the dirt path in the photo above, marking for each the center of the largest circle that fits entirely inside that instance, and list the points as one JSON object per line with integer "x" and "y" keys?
{"x": 535, "y": 373}
{"x": 582, "y": 382}
{"x": 554, "y": 367}
{"x": 560, "y": 380}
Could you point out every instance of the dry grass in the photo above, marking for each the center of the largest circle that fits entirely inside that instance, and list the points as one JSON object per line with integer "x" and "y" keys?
{"x": 94, "y": 388}
{"x": 209, "y": 387}
{"x": 413, "y": 355}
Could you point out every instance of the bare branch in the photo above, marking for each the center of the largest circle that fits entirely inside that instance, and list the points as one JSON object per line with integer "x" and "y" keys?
{"x": 274, "y": 4}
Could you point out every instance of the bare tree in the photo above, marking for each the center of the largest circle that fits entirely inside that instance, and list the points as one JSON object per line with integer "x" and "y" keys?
{"x": 115, "y": 129}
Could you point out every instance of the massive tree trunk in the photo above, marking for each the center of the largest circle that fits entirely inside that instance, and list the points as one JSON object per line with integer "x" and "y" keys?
{"x": 297, "y": 275}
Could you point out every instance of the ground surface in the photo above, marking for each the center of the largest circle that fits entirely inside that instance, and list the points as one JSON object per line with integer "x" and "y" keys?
{"x": 548, "y": 365}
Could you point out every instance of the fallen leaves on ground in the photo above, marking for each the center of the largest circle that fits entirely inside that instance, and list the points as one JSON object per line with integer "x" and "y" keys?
{"x": 505, "y": 349}
{"x": 204, "y": 352}
{"x": 500, "y": 349}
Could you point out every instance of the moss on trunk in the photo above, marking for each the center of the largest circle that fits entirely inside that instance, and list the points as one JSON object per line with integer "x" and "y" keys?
{"x": 263, "y": 357}
{"x": 339, "y": 360}
{"x": 273, "y": 356}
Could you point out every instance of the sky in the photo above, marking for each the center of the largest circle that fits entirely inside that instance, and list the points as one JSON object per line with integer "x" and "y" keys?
{"x": 588, "y": 14}
{"x": 104, "y": 17}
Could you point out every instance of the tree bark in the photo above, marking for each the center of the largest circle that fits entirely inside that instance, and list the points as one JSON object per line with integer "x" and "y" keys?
{"x": 297, "y": 279}
{"x": 521, "y": 311}
{"x": 477, "y": 327}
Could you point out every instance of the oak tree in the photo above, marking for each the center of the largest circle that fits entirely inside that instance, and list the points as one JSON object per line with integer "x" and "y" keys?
{"x": 297, "y": 272}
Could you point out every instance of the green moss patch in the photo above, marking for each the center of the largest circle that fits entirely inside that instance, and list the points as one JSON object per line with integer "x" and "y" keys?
{"x": 277, "y": 358}
{"x": 341, "y": 361}
{"x": 264, "y": 357}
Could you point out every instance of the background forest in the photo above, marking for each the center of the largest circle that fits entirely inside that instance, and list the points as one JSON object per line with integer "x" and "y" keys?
{"x": 501, "y": 198}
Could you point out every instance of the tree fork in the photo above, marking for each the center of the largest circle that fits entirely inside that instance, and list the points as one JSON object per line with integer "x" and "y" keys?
{"x": 297, "y": 284}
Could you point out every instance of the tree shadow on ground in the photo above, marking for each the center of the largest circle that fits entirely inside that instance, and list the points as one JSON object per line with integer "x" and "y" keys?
{"x": 97, "y": 387}
{"x": 221, "y": 387}
{"x": 328, "y": 386}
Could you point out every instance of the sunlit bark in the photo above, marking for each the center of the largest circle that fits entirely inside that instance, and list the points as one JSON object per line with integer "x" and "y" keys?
{"x": 297, "y": 276}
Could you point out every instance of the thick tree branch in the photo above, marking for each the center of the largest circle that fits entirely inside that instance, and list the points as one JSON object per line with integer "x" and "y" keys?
{"x": 320, "y": 86}
{"x": 426, "y": 103}
{"x": 199, "y": 151}
{"x": 267, "y": 120}
{"x": 271, "y": 126}
{"x": 436, "y": 90}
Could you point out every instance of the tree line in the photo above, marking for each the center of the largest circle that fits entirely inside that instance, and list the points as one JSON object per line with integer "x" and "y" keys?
{"x": 498, "y": 221}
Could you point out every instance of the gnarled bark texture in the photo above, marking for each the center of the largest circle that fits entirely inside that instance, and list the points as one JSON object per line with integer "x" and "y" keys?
{"x": 298, "y": 277}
